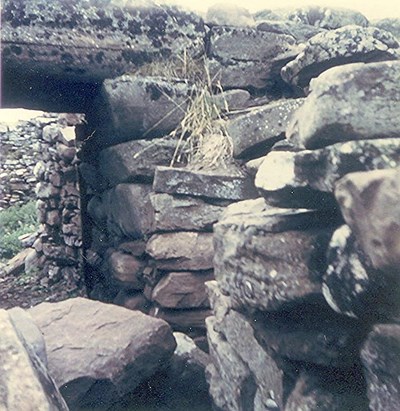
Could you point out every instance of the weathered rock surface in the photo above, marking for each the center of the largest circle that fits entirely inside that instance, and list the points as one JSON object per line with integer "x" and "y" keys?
{"x": 126, "y": 162}
{"x": 311, "y": 333}
{"x": 260, "y": 128}
{"x": 307, "y": 178}
{"x": 225, "y": 184}
{"x": 317, "y": 389}
{"x": 174, "y": 213}
{"x": 345, "y": 45}
{"x": 242, "y": 57}
{"x": 25, "y": 382}
{"x": 136, "y": 107}
{"x": 133, "y": 300}
{"x": 357, "y": 101}
{"x": 128, "y": 210}
{"x": 369, "y": 203}
{"x": 380, "y": 357}
{"x": 182, "y": 251}
{"x": 391, "y": 25}
{"x": 270, "y": 258}
{"x": 182, "y": 290}
{"x": 183, "y": 320}
{"x": 229, "y": 15}
{"x": 353, "y": 287}
{"x": 232, "y": 384}
{"x": 106, "y": 353}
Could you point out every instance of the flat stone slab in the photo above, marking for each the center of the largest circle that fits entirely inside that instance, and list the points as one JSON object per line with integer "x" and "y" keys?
{"x": 106, "y": 353}
{"x": 175, "y": 213}
{"x": 225, "y": 184}
{"x": 350, "y": 102}
{"x": 130, "y": 161}
{"x": 307, "y": 178}
{"x": 370, "y": 206}
{"x": 182, "y": 290}
{"x": 344, "y": 45}
{"x": 262, "y": 257}
{"x": 259, "y": 128}
{"x": 182, "y": 251}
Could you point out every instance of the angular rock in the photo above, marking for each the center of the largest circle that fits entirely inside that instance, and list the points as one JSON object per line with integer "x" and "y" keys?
{"x": 232, "y": 384}
{"x": 106, "y": 353}
{"x": 182, "y": 251}
{"x": 268, "y": 376}
{"x": 242, "y": 57}
{"x": 391, "y": 25}
{"x": 351, "y": 102}
{"x": 323, "y": 390}
{"x": 219, "y": 303}
{"x": 311, "y": 333}
{"x": 133, "y": 300}
{"x": 182, "y": 290}
{"x": 44, "y": 39}
{"x": 270, "y": 258}
{"x": 127, "y": 162}
{"x": 380, "y": 357}
{"x": 138, "y": 107}
{"x": 353, "y": 287}
{"x": 327, "y": 17}
{"x": 129, "y": 211}
{"x": 232, "y": 100}
{"x": 369, "y": 204}
{"x": 125, "y": 270}
{"x": 226, "y": 184}
{"x": 260, "y": 128}
{"x": 349, "y": 44}
{"x": 136, "y": 248}
{"x": 173, "y": 213}
{"x": 25, "y": 382}
{"x": 182, "y": 320}
{"x": 307, "y": 178}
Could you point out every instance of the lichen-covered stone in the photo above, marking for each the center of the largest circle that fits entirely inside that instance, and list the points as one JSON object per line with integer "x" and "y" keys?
{"x": 345, "y": 45}
{"x": 352, "y": 102}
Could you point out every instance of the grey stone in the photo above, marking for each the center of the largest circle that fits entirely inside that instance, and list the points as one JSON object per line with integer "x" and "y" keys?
{"x": 25, "y": 382}
{"x": 182, "y": 320}
{"x": 353, "y": 287}
{"x": 106, "y": 353}
{"x": 322, "y": 390}
{"x": 174, "y": 213}
{"x": 391, "y": 25}
{"x": 232, "y": 100}
{"x": 357, "y": 101}
{"x": 243, "y": 57}
{"x": 125, "y": 162}
{"x": 182, "y": 251}
{"x": 267, "y": 375}
{"x": 344, "y": 45}
{"x": 228, "y": 184}
{"x": 380, "y": 357}
{"x": 301, "y": 32}
{"x": 112, "y": 40}
{"x": 259, "y": 128}
{"x": 129, "y": 211}
{"x": 219, "y": 303}
{"x": 369, "y": 204}
{"x": 133, "y": 300}
{"x": 307, "y": 178}
{"x": 182, "y": 290}
{"x": 137, "y": 107}
{"x": 229, "y": 15}
{"x": 232, "y": 384}
{"x": 262, "y": 257}
{"x": 311, "y": 333}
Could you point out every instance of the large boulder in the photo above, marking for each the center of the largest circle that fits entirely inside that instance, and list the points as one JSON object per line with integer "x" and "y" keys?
{"x": 357, "y": 101}
{"x": 224, "y": 14}
{"x": 307, "y": 178}
{"x": 106, "y": 352}
{"x": 369, "y": 203}
{"x": 389, "y": 24}
{"x": 182, "y": 251}
{"x": 345, "y": 45}
{"x": 134, "y": 160}
{"x": 242, "y": 57}
{"x": 380, "y": 357}
{"x": 256, "y": 130}
{"x": 353, "y": 287}
{"x": 224, "y": 184}
{"x": 261, "y": 257}
{"x": 25, "y": 381}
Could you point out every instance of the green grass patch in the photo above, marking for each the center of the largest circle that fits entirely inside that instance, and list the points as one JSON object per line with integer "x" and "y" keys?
{"x": 14, "y": 222}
